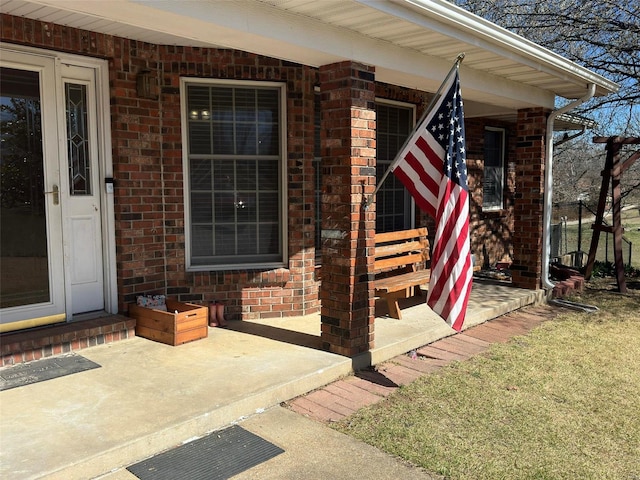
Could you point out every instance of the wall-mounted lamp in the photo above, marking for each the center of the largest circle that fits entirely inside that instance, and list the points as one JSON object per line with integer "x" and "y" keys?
{"x": 199, "y": 114}
{"x": 147, "y": 85}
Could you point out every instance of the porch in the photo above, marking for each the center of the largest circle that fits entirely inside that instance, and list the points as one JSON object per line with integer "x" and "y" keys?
{"x": 149, "y": 396}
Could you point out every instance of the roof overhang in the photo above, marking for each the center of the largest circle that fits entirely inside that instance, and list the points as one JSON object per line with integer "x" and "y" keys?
{"x": 411, "y": 43}
{"x": 569, "y": 121}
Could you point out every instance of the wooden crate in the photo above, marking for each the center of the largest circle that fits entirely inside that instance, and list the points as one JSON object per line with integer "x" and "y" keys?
{"x": 190, "y": 323}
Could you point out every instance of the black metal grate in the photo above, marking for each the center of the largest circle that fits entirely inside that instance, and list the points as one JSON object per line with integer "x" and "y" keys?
{"x": 219, "y": 455}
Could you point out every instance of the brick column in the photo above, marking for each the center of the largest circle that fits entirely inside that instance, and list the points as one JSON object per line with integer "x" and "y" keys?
{"x": 348, "y": 178}
{"x": 529, "y": 202}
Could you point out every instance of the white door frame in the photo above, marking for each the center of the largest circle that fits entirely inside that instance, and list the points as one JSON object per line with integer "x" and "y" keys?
{"x": 105, "y": 159}
{"x": 53, "y": 310}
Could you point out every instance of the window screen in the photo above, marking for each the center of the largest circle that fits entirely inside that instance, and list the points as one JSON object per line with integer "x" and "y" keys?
{"x": 393, "y": 204}
{"x": 493, "y": 168}
{"x": 235, "y": 163}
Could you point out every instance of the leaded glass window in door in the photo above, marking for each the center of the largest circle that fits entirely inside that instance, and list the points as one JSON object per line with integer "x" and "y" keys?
{"x": 78, "y": 139}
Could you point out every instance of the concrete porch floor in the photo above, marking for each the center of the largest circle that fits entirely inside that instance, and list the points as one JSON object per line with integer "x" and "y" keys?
{"x": 148, "y": 397}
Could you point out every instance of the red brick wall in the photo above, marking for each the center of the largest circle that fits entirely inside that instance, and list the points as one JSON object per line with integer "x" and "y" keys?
{"x": 348, "y": 167}
{"x": 406, "y": 95}
{"x": 529, "y": 206}
{"x": 491, "y": 231}
{"x": 147, "y": 162}
{"x": 34, "y": 344}
{"x": 249, "y": 293}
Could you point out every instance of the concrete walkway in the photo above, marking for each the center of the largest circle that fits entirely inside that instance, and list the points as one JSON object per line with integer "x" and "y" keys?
{"x": 314, "y": 452}
{"x": 148, "y": 397}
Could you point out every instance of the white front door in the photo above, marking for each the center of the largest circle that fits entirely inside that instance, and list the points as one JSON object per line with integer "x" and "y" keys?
{"x": 81, "y": 196}
{"x": 31, "y": 260}
{"x": 51, "y": 202}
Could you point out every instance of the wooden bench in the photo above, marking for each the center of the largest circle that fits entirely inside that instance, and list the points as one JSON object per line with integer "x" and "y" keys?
{"x": 397, "y": 258}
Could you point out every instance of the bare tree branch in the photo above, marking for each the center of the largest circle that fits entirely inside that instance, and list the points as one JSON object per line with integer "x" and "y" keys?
{"x": 602, "y": 35}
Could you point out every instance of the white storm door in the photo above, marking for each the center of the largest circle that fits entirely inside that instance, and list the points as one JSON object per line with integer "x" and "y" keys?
{"x": 82, "y": 209}
{"x": 31, "y": 253}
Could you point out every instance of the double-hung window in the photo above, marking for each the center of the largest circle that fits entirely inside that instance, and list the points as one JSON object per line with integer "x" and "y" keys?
{"x": 394, "y": 124}
{"x": 234, "y": 168}
{"x": 493, "y": 187}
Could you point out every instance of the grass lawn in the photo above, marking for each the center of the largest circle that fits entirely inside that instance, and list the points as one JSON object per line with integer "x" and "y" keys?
{"x": 562, "y": 402}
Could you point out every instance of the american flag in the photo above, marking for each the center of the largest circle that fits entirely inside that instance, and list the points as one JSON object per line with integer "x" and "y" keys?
{"x": 432, "y": 166}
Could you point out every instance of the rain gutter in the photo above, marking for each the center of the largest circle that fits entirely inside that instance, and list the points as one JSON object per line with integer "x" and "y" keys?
{"x": 463, "y": 25}
{"x": 548, "y": 184}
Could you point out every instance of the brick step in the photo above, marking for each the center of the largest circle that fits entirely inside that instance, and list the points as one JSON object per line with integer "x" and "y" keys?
{"x": 27, "y": 345}
{"x": 572, "y": 285}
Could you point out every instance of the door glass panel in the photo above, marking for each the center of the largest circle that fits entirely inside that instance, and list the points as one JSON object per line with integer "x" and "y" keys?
{"x": 24, "y": 265}
{"x": 78, "y": 139}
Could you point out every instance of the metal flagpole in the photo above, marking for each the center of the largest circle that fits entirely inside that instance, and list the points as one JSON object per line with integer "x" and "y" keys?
{"x": 434, "y": 99}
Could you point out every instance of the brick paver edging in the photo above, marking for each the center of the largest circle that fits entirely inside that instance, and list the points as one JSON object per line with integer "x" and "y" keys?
{"x": 343, "y": 397}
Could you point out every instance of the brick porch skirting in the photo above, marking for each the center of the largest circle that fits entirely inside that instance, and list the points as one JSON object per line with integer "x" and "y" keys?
{"x": 36, "y": 343}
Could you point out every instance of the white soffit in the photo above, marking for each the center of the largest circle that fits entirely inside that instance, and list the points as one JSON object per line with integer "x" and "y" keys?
{"x": 411, "y": 43}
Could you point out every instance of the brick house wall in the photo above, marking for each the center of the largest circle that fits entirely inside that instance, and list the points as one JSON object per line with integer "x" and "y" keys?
{"x": 491, "y": 230}
{"x": 529, "y": 203}
{"x": 147, "y": 163}
{"x": 347, "y": 91}
{"x": 149, "y": 193}
{"x": 149, "y": 160}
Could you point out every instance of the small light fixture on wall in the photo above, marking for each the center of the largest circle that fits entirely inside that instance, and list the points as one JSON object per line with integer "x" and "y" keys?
{"x": 147, "y": 85}
{"x": 199, "y": 114}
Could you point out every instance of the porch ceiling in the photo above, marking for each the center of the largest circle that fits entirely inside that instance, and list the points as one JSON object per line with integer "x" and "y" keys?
{"x": 410, "y": 42}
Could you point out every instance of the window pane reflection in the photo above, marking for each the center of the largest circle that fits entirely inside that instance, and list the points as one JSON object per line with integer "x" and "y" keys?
{"x": 234, "y": 172}
{"x": 24, "y": 264}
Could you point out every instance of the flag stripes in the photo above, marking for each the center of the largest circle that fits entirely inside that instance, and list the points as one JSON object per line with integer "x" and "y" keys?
{"x": 451, "y": 268}
{"x": 432, "y": 166}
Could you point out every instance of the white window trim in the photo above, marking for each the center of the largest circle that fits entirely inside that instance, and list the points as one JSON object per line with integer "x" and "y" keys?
{"x": 496, "y": 208}
{"x": 412, "y": 107}
{"x": 284, "y": 219}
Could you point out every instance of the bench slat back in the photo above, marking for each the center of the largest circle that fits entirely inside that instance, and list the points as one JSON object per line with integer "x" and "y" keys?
{"x": 399, "y": 249}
